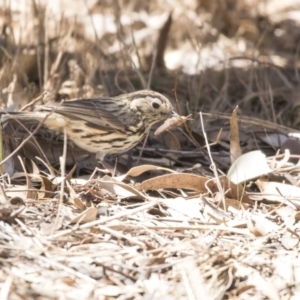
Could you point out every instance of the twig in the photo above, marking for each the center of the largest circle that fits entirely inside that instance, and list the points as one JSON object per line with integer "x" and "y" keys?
{"x": 213, "y": 165}
{"x": 62, "y": 160}
{"x": 27, "y": 139}
{"x": 152, "y": 68}
{"x": 187, "y": 132}
{"x": 108, "y": 219}
{"x": 184, "y": 153}
{"x": 31, "y": 103}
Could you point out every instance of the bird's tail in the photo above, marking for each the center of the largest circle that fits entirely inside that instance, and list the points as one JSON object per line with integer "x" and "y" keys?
{"x": 50, "y": 119}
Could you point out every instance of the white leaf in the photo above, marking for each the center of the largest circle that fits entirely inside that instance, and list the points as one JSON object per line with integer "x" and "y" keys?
{"x": 248, "y": 166}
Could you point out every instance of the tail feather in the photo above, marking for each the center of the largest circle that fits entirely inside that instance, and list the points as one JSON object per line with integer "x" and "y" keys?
{"x": 52, "y": 120}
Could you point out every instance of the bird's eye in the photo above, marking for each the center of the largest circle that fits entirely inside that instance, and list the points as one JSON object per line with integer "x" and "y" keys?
{"x": 155, "y": 105}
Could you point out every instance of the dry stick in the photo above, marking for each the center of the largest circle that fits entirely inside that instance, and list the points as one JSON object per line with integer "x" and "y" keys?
{"x": 59, "y": 57}
{"x": 119, "y": 235}
{"x": 57, "y": 63}
{"x": 187, "y": 285}
{"x": 107, "y": 219}
{"x": 62, "y": 160}
{"x": 136, "y": 50}
{"x": 213, "y": 165}
{"x": 31, "y": 103}
{"x": 27, "y": 139}
{"x": 161, "y": 241}
{"x": 3, "y": 197}
{"x": 36, "y": 144}
{"x": 46, "y": 49}
{"x": 185, "y": 153}
{"x": 116, "y": 82}
{"x": 39, "y": 148}
{"x": 175, "y": 94}
{"x": 2, "y": 168}
{"x": 111, "y": 269}
{"x": 264, "y": 104}
{"x": 272, "y": 103}
{"x": 120, "y": 37}
{"x": 28, "y": 192}
{"x": 100, "y": 53}
{"x": 142, "y": 148}
{"x": 152, "y": 68}
{"x": 39, "y": 64}
{"x": 98, "y": 42}
{"x": 198, "y": 227}
{"x": 188, "y": 134}
{"x": 22, "y": 73}
{"x": 45, "y": 163}
{"x": 6, "y": 287}
{"x": 190, "y": 164}
{"x": 253, "y": 59}
{"x": 287, "y": 200}
{"x": 142, "y": 79}
{"x": 296, "y": 62}
{"x": 251, "y": 121}
{"x": 61, "y": 266}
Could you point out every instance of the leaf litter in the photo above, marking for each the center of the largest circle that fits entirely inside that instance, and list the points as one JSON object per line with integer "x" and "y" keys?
{"x": 182, "y": 224}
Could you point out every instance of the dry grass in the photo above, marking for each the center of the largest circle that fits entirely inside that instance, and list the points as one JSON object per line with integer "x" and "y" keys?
{"x": 174, "y": 226}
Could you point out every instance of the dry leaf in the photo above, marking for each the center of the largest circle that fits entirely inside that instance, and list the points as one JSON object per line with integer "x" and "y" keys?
{"x": 248, "y": 166}
{"x": 136, "y": 171}
{"x": 183, "y": 181}
{"x": 196, "y": 183}
{"x": 235, "y": 148}
{"x": 171, "y": 123}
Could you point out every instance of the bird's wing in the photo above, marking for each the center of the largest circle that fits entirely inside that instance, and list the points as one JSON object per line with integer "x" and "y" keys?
{"x": 102, "y": 113}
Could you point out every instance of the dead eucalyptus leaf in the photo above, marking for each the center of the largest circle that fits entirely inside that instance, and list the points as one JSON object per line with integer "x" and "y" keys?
{"x": 195, "y": 183}
{"x": 184, "y": 181}
{"x": 137, "y": 171}
{"x": 248, "y": 166}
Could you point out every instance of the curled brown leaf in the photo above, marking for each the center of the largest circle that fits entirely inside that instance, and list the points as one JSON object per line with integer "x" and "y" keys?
{"x": 172, "y": 123}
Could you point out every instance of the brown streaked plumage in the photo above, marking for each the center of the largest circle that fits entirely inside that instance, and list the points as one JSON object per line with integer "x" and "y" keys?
{"x": 107, "y": 125}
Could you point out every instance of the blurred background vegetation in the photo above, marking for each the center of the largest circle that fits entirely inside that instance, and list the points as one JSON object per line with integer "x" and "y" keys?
{"x": 221, "y": 53}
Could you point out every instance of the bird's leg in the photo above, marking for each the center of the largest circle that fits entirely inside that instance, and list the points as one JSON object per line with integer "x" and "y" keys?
{"x": 107, "y": 167}
{"x": 129, "y": 160}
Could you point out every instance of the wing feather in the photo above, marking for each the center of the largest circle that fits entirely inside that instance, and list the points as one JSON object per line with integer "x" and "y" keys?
{"x": 100, "y": 112}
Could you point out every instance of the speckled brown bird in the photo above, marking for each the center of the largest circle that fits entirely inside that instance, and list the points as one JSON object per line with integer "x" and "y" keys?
{"x": 106, "y": 125}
